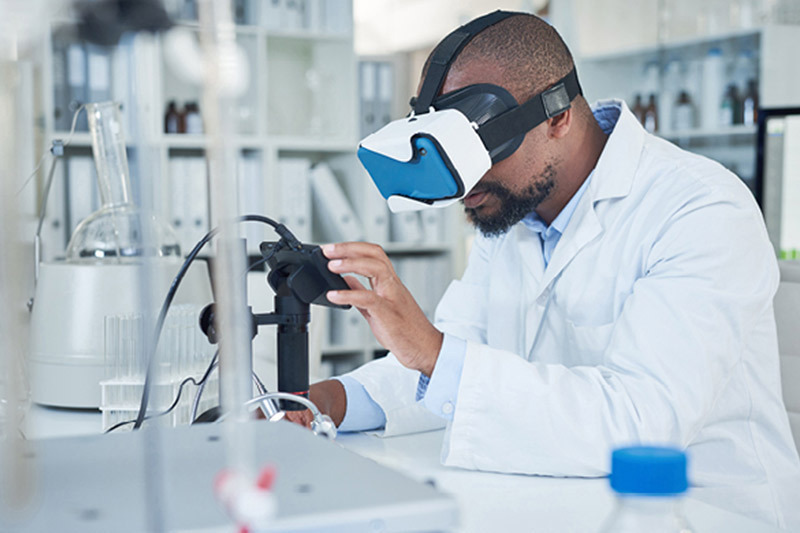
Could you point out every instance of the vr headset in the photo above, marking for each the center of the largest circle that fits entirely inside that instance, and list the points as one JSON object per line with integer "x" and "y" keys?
{"x": 437, "y": 154}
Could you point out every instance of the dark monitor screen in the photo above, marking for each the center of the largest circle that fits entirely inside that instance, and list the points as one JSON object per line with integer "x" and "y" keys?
{"x": 778, "y": 177}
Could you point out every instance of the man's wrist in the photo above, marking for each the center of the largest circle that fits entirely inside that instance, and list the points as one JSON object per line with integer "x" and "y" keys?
{"x": 432, "y": 354}
{"x": 330, "y": 398}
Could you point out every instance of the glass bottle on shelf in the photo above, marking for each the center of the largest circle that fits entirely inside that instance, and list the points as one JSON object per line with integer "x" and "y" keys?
{"x": 182, "y": 120}
{"x": 171, "y": 118}
{"x": 728, "y": 106}
{"x": 750, "y": 104}
{"x": 638, "y": 108}
{"x": 194, "y": 123}
{"x": 684, "y": 112}
{"x": 651, "y": 115}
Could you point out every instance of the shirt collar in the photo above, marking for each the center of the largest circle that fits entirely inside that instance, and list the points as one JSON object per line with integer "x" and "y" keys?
{"x": 559, "y": 224}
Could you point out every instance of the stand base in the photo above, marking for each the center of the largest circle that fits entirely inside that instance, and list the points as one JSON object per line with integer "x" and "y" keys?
{"x": 98, "y": 483}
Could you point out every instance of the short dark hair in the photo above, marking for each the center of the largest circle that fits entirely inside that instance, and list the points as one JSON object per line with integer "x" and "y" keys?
{"x": 529, "y": 50}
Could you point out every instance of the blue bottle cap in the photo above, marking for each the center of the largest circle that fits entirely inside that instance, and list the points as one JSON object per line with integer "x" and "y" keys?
{"x": 649, "y": 470}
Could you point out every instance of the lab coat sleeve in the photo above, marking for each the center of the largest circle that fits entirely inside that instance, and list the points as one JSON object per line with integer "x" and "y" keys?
{"x": 362, "y": 412}
{"x": 394, "y": 387}
{"x": 709, "y": 275}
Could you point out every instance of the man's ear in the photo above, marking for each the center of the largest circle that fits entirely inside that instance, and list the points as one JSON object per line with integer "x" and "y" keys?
{"x": 559, "y": 125}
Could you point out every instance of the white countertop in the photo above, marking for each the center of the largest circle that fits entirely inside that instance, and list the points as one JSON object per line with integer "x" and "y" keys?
{"x": 502, "y": 502}
{"x": 487, "y": 501}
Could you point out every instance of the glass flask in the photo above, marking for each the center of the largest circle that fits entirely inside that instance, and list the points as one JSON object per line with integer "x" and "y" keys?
{"x": 115, "y": 231}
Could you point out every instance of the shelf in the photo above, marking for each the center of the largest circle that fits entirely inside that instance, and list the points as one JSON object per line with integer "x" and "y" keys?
{"x": 738, "y": 130}
{"x": 311, "y": 144}
{"x": 416, "y": 248}
{"x": 240, "y": 29}
{"x": 253, "y": 29}
{"x": 200, "y": 142}
{"x": 653, "y": 50}
{"x": 341, "y": 350}
{"x": 308, "y": 35}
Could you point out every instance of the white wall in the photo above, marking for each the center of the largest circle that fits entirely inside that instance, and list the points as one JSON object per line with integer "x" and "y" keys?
{"x": 388, "y": 26}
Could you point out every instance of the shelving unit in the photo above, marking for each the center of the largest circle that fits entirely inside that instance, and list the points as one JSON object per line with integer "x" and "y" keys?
{"x": 301, "y": 104}
{"x": 624, "y": 73}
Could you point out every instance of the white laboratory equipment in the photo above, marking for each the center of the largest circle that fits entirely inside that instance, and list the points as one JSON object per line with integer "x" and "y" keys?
{"x": 115, "y": 256}
{"x": 649, "y": 482}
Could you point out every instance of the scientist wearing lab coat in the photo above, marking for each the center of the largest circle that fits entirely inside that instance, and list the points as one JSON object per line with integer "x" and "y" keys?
{"x": 619, "y": 291}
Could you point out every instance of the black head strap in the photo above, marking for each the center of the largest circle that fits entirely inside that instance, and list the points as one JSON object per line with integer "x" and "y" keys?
{"x": 446, "y": 52}
{"x": 522, "y": 119}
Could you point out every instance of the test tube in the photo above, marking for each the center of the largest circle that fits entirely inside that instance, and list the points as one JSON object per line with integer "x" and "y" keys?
{"x": 111, "y": 347}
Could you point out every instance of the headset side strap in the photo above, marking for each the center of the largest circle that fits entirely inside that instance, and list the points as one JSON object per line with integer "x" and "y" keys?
{"x": 520, "y": 120}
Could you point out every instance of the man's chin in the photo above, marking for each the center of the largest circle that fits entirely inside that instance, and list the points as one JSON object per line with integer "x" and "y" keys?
{"x": 488, "y": 225}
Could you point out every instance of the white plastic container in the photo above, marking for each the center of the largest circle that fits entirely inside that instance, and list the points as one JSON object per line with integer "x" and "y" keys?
{"x": 649, "y": 483}
{"x": 713, "y": 89}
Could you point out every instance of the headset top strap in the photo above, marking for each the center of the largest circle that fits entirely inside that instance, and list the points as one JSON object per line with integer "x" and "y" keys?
{"x": 522, "y": 119}
{"x": 446, "y": 52}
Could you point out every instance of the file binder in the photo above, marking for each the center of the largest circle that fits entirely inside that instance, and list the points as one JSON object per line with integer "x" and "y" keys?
{"x": 337, "y": 220}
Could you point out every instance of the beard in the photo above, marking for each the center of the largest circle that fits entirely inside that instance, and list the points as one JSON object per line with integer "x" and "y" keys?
{"x": 513, "y": 206}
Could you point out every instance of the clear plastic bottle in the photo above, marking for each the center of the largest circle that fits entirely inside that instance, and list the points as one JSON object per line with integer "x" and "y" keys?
{"x": 713, "y": 89}
{"x": 728, "y": 112}
{"x": 683, "y": 119}
{"x": 651, "y": 115}
{"x": 649, "y": 483}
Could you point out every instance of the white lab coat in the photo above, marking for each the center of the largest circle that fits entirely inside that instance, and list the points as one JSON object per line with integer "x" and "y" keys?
{"x": 652, "y": 323}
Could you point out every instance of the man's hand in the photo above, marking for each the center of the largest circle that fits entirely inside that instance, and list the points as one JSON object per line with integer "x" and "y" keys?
{"x": 394, "y": 317}
{"x": 329, "y": 397}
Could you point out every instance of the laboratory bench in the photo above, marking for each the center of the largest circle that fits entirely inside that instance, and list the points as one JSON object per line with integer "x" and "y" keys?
{"x": 485, "y": 501}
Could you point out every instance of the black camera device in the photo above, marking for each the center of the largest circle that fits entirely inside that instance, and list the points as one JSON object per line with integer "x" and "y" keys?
{"x": 304, "y": 268}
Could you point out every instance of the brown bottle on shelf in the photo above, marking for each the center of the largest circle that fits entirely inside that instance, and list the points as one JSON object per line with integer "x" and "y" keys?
{"x": 171, "y": 118}
{"x": 182, "y": 120}
{"x": 651, "y": 115}
{"x": 638, "y": 109}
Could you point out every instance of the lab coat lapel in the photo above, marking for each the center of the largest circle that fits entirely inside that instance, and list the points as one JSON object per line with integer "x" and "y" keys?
{"x": 530, "y": 252}
{"x": 582, "y": 229}
{"x": 613, "y": 178}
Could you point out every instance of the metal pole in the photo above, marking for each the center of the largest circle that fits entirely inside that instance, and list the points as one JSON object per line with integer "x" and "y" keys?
{"x": 223, "y": 64}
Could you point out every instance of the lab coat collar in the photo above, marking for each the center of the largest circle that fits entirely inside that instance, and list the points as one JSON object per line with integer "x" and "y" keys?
{"x": 614, "y": 172}
{"x": 612, "y": 178}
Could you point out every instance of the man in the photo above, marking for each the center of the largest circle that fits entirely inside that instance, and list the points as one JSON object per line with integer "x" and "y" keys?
{"x": 620, "y": 291}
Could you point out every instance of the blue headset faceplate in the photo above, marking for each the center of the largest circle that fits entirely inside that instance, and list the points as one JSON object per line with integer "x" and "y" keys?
{"x": 427, "y": 176}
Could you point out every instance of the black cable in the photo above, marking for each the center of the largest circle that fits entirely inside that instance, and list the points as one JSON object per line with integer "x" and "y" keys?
{"x": 208, "y": 371}
{"x": 256, "y": 264}
{"x": 177, "y": 399}
{"x": 280, "y": 229}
